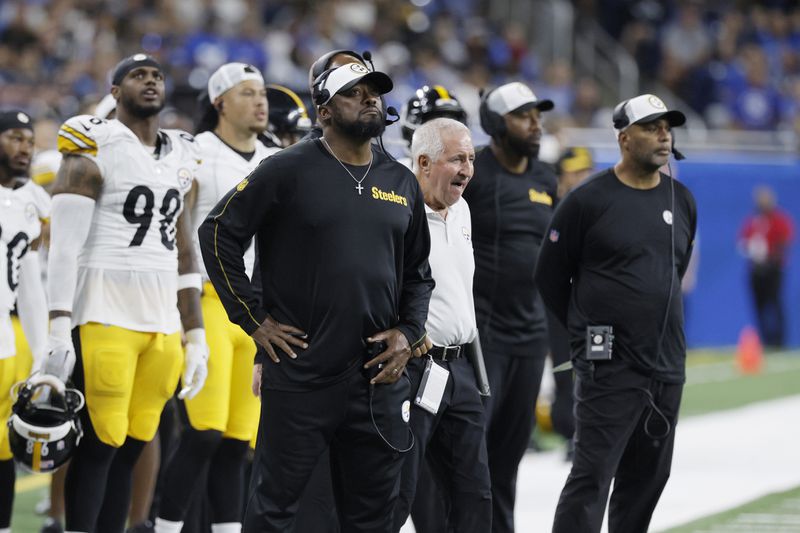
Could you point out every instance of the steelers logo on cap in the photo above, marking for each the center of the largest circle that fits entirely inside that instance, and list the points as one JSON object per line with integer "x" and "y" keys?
{"x": 22, "y": 117}
{"x": 656, "y": 102}
{"x": 359, "y": 69}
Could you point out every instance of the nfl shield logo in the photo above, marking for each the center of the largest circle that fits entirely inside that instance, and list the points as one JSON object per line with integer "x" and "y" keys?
{"x": 553, "y": 235}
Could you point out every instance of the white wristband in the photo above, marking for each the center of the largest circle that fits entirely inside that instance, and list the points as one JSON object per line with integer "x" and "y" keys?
{"x": 190, "y": 281}
{"x": 61, "y": 327}
{"x": 196, "y": 336}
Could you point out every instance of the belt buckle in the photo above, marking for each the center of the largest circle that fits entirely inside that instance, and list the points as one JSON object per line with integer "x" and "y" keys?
{"x": 455, "y": 350}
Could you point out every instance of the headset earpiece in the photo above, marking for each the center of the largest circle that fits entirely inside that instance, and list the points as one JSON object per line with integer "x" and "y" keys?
{"x": 492, "y": 123}
{"x": 620, "y": 118}
{"x": 319, "y": 93}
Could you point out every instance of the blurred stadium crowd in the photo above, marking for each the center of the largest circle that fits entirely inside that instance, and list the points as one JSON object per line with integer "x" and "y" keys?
{"x": 736, "y": 63}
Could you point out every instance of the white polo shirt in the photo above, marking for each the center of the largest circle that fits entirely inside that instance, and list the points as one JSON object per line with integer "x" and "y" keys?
{"x": 451, "y": 315}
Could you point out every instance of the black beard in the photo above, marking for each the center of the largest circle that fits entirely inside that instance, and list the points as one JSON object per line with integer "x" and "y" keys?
{"x": 140, "y": 111}
{"x": 360, "y": 129}
{"x": 8, "y": 170}
{"x": 522, "y": 147}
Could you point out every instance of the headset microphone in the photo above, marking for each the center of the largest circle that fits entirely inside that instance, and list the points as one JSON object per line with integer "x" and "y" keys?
{"x": 675, "y": 152}
{"x": 391, "y": 111}
{"x": 367, "y": 55}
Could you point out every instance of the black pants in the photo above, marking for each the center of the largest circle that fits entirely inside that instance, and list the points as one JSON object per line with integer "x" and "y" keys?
{"x": 614, "y": 416}
{"x": 766, "y": 282}
{"x": 510, "y": 418}
{"x": 297, "y": 427}
{"x": 562, "y": 406}
{"x": 454, "y": 443}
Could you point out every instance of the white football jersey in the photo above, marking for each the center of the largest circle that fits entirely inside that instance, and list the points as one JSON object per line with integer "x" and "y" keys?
{"x": 223, "y": 168}
{"x": 22, "y": 211}
{"x": 128, "y": 268}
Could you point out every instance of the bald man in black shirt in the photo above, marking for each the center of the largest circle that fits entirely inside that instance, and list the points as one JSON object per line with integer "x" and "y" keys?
{"x": 343, "y": 246}
{"x": 614, "y": 257}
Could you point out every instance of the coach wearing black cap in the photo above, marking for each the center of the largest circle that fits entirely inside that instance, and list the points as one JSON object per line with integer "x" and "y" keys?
{"x": 610, "y": 270}
{"x": 511, "y": 198}
{"x": 343, "y": 246}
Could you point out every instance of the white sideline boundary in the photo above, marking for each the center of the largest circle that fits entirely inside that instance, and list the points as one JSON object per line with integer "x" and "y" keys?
{"x": 721, "y": 461}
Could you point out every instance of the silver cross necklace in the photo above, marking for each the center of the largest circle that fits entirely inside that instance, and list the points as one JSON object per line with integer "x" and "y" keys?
{"x": 358, "y": 186}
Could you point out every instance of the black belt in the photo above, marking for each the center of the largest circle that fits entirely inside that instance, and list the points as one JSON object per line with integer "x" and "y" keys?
{"x": 447, "y": 353}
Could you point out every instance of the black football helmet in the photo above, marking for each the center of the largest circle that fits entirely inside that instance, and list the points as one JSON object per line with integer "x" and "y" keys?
{"x": 44, "y": 429}
{"x": 287, "y": 113}
{"x": 429, "y": 102}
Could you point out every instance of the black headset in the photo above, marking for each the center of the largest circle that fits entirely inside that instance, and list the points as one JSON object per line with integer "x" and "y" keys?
{"x": 491, "y": 122}
{"x": 319, "y": 94}
{"x": 620, "y": 117}
{"x": 323, "y": 63}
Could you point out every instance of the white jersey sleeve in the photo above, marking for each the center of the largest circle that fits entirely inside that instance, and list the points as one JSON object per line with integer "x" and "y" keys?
{"x": 84, "y": 135}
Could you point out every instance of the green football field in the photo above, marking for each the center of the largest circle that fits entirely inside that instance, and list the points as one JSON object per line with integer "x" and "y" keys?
{"x": 714, "y": 384}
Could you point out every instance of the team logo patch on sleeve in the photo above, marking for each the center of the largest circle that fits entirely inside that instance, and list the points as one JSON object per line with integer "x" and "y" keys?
{"x": 554, "y": 235}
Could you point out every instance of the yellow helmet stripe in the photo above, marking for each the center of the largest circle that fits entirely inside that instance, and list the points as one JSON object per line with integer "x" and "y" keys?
{"x": 443, "y": 93}
{"x": 296, "y": 99}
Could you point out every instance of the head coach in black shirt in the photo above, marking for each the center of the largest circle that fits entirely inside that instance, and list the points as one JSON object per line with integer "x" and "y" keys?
{"x": 511, "y": 198}
{"x": 343, "y": 246}
{"x": 610, "y": 270}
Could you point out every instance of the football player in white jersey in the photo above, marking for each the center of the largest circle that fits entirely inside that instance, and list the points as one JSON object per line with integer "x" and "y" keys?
{"x": 23, "y": 205}
{"x": 223, "y": 417}
{"x": 120, "y": 269}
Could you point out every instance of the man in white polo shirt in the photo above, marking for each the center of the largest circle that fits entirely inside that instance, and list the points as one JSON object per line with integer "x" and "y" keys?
{"x": 447, "y": 417}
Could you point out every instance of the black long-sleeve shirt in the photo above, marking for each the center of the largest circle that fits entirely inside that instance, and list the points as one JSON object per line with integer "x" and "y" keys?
{"x": 510, "y": 214}
{"x": 607, "y": 260}
{"x": 338, "y": 265}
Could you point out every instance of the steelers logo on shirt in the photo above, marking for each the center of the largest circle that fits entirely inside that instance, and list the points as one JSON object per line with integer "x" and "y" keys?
{"x": 184, "y": 178}
{"x": 30, "y": 212}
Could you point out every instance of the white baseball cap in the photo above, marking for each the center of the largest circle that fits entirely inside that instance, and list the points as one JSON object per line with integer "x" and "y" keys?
{"x": 346, "y": 76}
{"x": 515, "y": 96}
{"x": 228, "y": 76}
{"x": 642, "y": 109}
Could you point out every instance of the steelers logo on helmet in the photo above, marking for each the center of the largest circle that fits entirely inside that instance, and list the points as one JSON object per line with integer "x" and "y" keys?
{"x": 44, "y": 429}
{"x": 428, "y": 103}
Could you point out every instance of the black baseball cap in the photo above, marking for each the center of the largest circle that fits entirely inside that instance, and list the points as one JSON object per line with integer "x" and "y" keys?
{"x": 130, "y": 63}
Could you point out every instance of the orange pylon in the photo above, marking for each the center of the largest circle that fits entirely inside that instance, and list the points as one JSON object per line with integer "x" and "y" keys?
{"x": 749, "y": 353}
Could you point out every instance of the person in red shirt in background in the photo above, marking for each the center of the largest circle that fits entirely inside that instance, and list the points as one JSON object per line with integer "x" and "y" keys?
{"x": 765, "y": 238}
